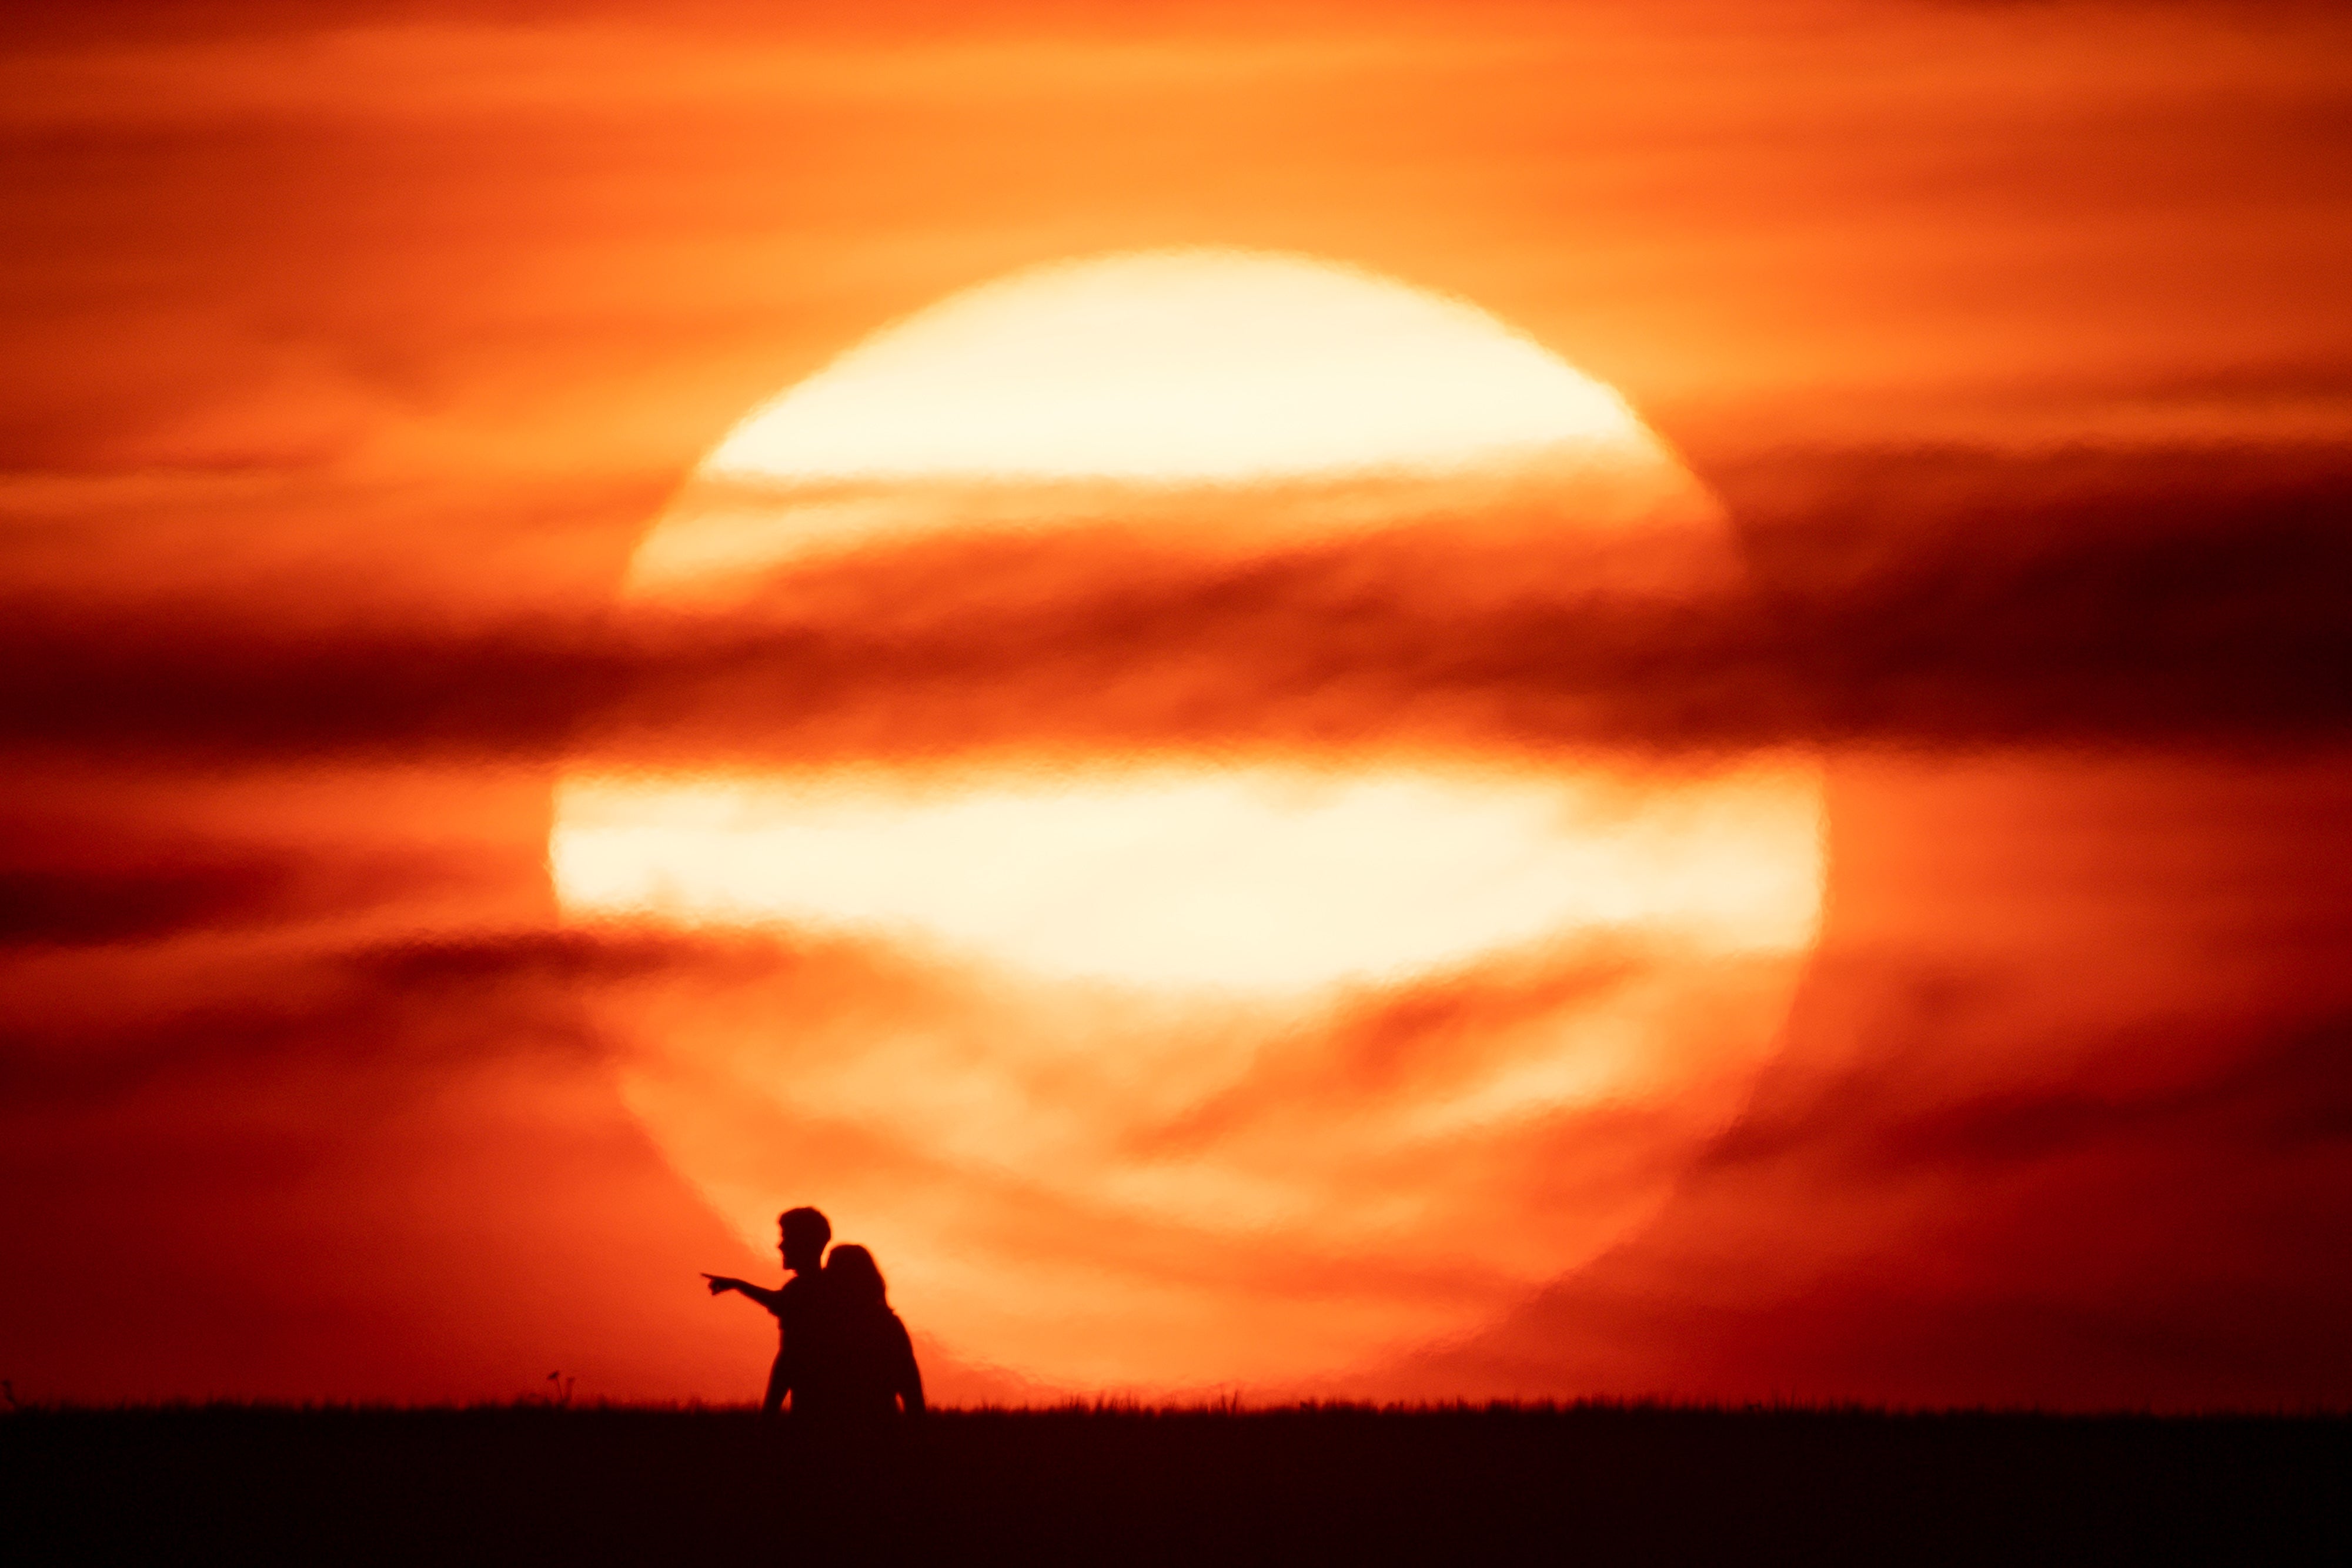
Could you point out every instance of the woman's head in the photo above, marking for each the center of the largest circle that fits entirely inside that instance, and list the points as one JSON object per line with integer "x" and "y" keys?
{"x": 850, "y": 1271}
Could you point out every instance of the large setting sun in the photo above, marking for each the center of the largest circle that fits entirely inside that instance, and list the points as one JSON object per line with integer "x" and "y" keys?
{"x": 1125, "y": 940}
{"x": 1198, "y": 782}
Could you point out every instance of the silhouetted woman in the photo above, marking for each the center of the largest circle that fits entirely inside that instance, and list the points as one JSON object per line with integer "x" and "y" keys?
{"x": 873, "y": 1369}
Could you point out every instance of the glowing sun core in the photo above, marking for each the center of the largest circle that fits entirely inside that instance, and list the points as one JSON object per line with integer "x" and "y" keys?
{"x": 1260, "y": 878}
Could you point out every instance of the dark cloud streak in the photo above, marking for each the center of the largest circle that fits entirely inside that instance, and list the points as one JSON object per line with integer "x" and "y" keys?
{"x": 68, "y": 883}
{"x": 1934, "y": 600}
{"x": 392, "y": 1010}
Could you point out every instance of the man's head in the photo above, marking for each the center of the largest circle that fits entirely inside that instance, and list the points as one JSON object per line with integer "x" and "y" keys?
{"x": 804, "y": 1232}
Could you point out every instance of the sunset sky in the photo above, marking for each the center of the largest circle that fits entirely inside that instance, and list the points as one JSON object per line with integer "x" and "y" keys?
{"x": 1822, "y": 870}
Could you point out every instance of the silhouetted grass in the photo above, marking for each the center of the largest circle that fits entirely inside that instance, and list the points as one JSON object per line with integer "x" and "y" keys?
{"x": 1107, "y": 1483}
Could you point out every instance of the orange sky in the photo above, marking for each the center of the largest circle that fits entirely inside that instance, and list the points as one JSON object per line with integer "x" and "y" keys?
{"x": 360, "y": 352}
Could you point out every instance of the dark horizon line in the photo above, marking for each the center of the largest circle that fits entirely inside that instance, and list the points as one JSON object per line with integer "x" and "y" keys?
{"x": 1582, "y": 1406}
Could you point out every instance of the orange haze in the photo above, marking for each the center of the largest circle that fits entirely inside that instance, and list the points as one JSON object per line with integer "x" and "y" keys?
{"x": 359, "y": 346}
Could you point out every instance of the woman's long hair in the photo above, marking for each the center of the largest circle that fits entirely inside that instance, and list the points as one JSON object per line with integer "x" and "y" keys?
{"x": 851, "y": 1274}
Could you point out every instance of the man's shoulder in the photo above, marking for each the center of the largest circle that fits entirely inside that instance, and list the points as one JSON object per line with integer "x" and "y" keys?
{"x": 801, "y": 1293}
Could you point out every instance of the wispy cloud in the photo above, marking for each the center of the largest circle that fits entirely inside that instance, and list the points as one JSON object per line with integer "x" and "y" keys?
{"x": 1917, "y": 599}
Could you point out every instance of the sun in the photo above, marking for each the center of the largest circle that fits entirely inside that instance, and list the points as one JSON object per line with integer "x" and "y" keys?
{"x": 1182, "y": 367}
{"x": 1183, "y": 371}
{"x": 1081, "y": 1023}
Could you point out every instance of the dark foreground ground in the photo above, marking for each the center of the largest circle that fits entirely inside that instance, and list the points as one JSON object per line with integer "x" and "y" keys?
{"x": 235, "y": 1483}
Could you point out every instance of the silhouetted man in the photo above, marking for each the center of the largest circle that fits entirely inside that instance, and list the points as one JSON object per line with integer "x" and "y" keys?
{"x": 801, "y": 1319}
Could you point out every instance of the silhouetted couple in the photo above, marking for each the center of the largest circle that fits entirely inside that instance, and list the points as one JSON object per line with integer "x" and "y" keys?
{"x": 841, "y": 1352}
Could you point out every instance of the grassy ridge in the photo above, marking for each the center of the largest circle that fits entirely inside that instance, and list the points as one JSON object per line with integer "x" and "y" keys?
{"x": 1598, "y": 1483}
